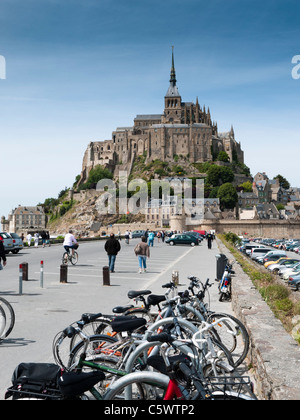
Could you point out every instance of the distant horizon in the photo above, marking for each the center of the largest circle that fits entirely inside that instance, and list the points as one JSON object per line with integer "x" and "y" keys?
{"x": 71, "y": 73}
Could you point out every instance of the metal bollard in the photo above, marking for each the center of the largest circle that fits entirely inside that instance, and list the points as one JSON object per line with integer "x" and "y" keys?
{"x": 20, "y": 279}
{"x": 175, "y": 277}
{"x": 42, "y": 275}
{"x": 25, "y": 271}
{"x": 106, "y": 276}
{"x": 63, "y": 273}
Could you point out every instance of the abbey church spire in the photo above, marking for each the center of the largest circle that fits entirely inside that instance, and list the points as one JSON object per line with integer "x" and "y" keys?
{"x": 173, "y": 90}
{"x": 173, "y": 73}
{"x": 172, "y": 112}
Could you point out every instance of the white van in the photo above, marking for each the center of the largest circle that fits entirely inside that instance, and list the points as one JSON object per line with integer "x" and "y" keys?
{"x": 259, "y": 252}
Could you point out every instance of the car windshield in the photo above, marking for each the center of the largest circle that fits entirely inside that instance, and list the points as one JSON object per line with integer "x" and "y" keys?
{"x": 14, "y": 235}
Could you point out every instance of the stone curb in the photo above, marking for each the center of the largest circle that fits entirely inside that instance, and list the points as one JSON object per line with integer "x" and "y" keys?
{"x": 274, "y": 354}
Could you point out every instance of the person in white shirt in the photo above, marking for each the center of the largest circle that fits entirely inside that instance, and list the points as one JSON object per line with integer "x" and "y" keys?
{"x": 70, "y": 242}
{"x": 29, "y": 238}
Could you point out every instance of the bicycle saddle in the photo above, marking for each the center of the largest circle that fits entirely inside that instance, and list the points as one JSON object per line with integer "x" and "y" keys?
{"x": 135, "y": 293}
{"x": 128, "y": 324}
{"x": 73, "y": 383}
{"x": 155, "y": 299}
{"x": 121, "y": 309}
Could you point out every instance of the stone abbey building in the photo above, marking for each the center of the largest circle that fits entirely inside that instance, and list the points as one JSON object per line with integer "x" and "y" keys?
{"x": 184, "y": 129}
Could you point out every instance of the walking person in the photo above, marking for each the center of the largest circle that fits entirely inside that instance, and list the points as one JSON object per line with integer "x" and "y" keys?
{"x": 112, "y": 247}
{"x": 36, "y": 240}
{"x": 142, "y": 251}
{"x": 2, "y": 254}
{"x": 29, "y": 239}
{"x": 48, "y": 238}
{"x": 209, "y": 238}
{"x": 43, "y": 235}
{"x": 151, "y": 236}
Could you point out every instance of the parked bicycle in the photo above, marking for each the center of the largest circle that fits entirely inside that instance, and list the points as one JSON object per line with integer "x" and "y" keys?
{"x": 186, "y": 382}
{"x": 7, "y": 318}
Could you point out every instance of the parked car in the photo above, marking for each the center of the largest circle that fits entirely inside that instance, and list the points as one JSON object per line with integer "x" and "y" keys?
{"x": 7, "y": 241}
{"x": 194, "y": 234}
{"x": 286, "y": 262}
{"x": 259, "y": 252}
{"x": 246, "y": 248}
{"x": 18, "y": 243}
{"x": 138, "y": 233}
{"x": 182, "y": 239}
{"x": 275, "y": 256}
{"x": 285, "y": 273}
{"x": 294, "y": 282}
{"x": 267, "y": 264}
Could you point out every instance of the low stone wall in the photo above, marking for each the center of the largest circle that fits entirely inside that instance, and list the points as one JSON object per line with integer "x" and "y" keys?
{"x": 274, "y": 354}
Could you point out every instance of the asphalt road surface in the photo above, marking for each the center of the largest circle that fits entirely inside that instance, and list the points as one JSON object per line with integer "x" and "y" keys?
{"x": 42, "y": 312}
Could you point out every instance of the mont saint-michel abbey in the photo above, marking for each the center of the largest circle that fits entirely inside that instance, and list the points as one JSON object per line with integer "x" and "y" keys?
{"x": 183, "y": 129}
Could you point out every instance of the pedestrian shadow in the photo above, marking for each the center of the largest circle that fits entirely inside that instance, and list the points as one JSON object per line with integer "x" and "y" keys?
{"x": 81, "y": 265}
{"x": 15, "y": 342}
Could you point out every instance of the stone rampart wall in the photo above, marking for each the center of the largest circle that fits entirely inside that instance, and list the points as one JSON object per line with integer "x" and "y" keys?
{"x": 274, "y": 354}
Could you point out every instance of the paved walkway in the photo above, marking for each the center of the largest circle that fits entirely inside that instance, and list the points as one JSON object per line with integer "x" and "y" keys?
{"x": 42, "y": 313}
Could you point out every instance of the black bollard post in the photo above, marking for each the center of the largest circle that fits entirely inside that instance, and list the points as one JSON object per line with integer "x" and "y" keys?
{"x": 25, "y": 271}
{"x": 63, "y": 273}
{"x": 106, "y": 276}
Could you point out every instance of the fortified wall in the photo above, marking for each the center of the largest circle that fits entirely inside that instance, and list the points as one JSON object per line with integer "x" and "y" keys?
{"x": 288, "y": 229}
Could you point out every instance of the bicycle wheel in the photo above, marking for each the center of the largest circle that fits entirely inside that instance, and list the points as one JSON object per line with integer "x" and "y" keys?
{"x": 10, "y": 317}
{"x": 2, "y": 321}
{"x": 129, "y": 387}
{"x": 65, "y": 258}
{"x": 74, "y": 258}
{"x": 99, "y": 345}
{"x": 101, "y": 326}
{"x": 236, "y": 340}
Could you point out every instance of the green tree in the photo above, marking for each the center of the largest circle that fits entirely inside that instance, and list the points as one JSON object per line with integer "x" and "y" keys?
{"x": 96, "y": 174}
{"x": 214, "y": 192}
{"x": 283, "y": 182}
{"x": 228, "y": 196}
{"x": 246, "y": 186}
{"x": 223, "y": 157}
{"x": 218, "y": 175}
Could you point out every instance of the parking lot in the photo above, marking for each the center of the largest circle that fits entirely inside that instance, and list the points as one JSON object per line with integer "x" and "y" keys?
{"x": 280, "y": 258}
{"x": 42, "y": 312}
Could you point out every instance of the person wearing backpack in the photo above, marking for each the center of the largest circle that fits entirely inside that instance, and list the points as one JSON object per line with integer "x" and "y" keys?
{"x": 142, "y": 251}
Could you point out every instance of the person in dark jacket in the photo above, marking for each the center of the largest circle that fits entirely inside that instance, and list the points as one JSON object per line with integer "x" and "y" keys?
{"x": 112, "y": 247}
{"x": 2, "y": 253}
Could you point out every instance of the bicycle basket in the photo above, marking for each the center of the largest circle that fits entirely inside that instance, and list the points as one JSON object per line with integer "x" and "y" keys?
{"x": 35, "y": 380}
{"x": 230, "y": 388}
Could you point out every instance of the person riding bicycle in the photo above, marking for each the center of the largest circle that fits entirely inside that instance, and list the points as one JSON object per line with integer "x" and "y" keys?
{"x": 70, "y": 242}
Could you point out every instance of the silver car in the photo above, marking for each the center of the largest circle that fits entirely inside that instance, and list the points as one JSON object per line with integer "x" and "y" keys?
{"x": 17, "y": 242}
{"x": 7, "y": 242}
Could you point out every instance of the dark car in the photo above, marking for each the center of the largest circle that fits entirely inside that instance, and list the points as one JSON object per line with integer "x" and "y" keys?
{"x": 194, "y": 235}
{"x": 138, "y": 233}
{"x": 182, "y": 239}
{"x": 294, "y": 282}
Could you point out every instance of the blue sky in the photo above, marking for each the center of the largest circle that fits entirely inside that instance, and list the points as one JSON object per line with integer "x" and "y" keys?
{"x": 77, "y": 69}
